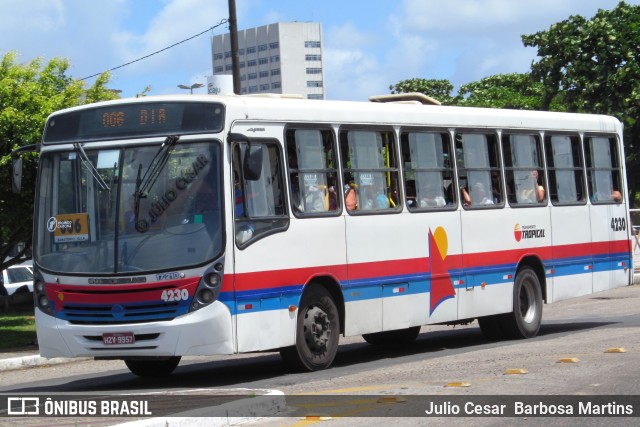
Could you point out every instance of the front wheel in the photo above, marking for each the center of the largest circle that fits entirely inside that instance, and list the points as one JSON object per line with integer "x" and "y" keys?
{"x": 151, "y": 368}
{"x": 524, "y": 321}
{"x": 317, "y": 332}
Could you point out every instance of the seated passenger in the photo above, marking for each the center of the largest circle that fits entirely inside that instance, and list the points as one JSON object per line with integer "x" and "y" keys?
{"x": 478, "y": 195}
{"x": 533, "y": 194}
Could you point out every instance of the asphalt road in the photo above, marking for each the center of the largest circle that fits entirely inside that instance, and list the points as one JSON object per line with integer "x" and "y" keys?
{"x": 569, "y": 357}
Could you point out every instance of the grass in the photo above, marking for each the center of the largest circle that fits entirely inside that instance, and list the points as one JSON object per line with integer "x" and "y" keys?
{"x": 17, "y": 330}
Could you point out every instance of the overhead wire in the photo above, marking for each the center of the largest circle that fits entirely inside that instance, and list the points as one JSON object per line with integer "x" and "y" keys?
{"x": 222, "y": 22}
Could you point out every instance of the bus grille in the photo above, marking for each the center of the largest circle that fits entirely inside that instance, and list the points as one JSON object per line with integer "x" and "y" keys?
{"x": 121, "y": 313}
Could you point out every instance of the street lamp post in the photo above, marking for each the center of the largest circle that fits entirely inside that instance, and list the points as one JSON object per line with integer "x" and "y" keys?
{"x": 192, "y": 87}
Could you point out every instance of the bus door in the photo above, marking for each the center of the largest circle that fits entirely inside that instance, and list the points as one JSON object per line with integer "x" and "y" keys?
{"x": 380, "y": 293}
{"x": 486, "y": 228}
{"x": 432, "y": 223}
{"x": 279, "y": 245}
{"x": 569, "y": 273}
{"x": 609, "y": 214}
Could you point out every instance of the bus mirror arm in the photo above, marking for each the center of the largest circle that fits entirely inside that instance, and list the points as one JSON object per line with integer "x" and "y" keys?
{"x": 252, "y": 161}
{"x": 16, "y": 165}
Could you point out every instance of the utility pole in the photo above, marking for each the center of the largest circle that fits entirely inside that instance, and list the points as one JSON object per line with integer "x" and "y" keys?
{"x": 235, "y": 56}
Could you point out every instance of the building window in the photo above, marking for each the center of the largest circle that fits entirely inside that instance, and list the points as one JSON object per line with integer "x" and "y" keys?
{"x": 228, "y": 67}
{"x": 251, "y": 63}
{"x": 218, "y": 69}
{"x": 313, "y": 57}
{"x": 263, "y": 61}
{"x": 312, "y": 44}
{"x": 275, "y": 58}
{"x": 251, "y": 49}
{"x": 315, "y": 96}
{"x": 262, "y": 48}
{"x": 243, "y": 77}
{"x": 314, "y": 83}
{"x": 314, "y": 70}
{"x": 264, "y": 74}
{"x": 217, "y": 56}
{"x": 264, "y": 87}
{"x": 241, "y": 51}
{"x": 274, "y": 45}
{"x": 252, "y": 76}
{"x": 275, "y": 85}
{"x": 242, "y": 65}
{"x": 275, "y": 72}
{"x": 253, "y": 89}
{"x": 227, "y": 54}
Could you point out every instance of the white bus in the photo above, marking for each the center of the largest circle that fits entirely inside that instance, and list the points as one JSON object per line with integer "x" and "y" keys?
{"x": 199, "y": 225}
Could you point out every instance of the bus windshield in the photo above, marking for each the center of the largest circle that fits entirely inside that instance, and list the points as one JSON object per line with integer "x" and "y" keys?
{"x": 130, "y": 209}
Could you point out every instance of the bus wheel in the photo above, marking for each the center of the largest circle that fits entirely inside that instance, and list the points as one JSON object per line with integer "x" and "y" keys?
{"x": 399, "y": 337}
{"x": 150, "y": 368}
{"x": 524, "y": 321}
{"x": 317, "y": 332}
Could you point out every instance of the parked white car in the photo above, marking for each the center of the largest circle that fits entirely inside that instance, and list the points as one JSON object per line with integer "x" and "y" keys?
{"x": 16, "y": 277}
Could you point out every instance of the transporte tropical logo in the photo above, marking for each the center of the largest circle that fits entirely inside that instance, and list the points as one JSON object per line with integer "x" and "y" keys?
{"x": 517, "y": 232}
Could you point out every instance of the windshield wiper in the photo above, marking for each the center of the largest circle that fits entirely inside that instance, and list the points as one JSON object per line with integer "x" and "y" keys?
{"x": 145, "y": 183}
{"x": 89, "y": 166}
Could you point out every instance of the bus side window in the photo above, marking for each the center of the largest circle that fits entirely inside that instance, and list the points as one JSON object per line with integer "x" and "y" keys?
{"x": 312, "y": 171}
{"x": 564, "y": 164}
{"x": 370, "y": 171}
{"x": 478, "y": 158}
{"x": 603, "y": 169}
{"x": 259, "y": 205}
{"x": 524, "y": 169}
{"x": 426, "y": 157}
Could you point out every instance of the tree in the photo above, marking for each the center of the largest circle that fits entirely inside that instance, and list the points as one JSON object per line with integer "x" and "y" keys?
{"x": 438, "y": 89}
{"x": 28, "y": 94}
{"x": 515, "y": 91}
{"x": 595, "y": 65}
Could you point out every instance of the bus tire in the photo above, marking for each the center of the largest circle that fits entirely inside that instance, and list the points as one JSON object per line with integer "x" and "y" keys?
{"x": 317, "y": 332}
{"x": 524, "y": 321}
{"x": 490, "y": 327}
{"x": 398, "y": 337}
{"x": 151, "y": 368}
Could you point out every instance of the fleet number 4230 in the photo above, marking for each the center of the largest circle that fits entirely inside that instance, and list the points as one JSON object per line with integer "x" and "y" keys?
{"x": 169, "y": 295}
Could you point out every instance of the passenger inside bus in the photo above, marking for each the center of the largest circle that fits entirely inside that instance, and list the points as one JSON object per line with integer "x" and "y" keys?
{"x": 477, "y": 197}
{"x": 532, "y": 193}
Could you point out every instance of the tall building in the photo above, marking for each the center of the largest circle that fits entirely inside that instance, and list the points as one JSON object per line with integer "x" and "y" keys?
{"x": 285, "y": 57}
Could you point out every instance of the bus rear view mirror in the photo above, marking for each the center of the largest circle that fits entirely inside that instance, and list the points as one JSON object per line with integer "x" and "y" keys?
{"x": 16, "y": 174}
{"x": 253, "y": 162}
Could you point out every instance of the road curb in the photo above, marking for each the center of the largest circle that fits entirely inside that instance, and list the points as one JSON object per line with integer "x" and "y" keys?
{"x": 21, "y": 362}
{"x": 260, "y": 403}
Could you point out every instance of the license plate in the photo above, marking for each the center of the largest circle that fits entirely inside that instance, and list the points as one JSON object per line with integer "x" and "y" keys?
{"x": 118, "y": 338}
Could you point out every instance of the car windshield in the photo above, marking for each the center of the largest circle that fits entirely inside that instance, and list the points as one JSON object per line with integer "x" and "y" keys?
{"x": 132, "y": 209}
{"x": 19, "y": 274}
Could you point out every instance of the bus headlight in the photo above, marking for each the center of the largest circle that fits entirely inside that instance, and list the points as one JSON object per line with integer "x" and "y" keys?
{"x": 209, "y": 287}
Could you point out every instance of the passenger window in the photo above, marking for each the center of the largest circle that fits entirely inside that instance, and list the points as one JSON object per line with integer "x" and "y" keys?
{"x": 426, "y": 157}
{"x": 603, "y": 169}
{"x": 524, "y": 170}
{"x": 370, "y": 171}
{"x": 312, "y": 171}
{"x": 564, "y": 164}
{"x": 478, "y": 158}
{"x": 260, "y": 207}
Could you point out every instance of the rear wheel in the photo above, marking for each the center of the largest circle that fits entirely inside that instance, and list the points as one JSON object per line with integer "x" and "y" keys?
{"x": 524, "y": 321}
{"x": 150, "y": 368}
{"x": 399, "y": 337}
{"x": 317, "y": 332}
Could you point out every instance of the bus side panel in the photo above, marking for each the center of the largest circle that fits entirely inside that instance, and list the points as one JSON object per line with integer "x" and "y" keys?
{"x": 569, "y": 274}
{"x": 494, "y": 241}
{"x": 612, "y": 258}
{"x": 272, "y": 272}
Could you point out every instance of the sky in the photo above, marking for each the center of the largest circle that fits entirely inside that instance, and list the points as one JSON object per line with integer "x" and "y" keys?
{"x": 368, "y": 45}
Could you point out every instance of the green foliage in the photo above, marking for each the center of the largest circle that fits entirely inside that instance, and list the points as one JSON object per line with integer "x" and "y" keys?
{"x": 438, "y": 89}
{"x": 28, "y": 94}
{"x": 595, "y": 65}
{"x": 17, "y": 330}
{"x": 516, "y": 91}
